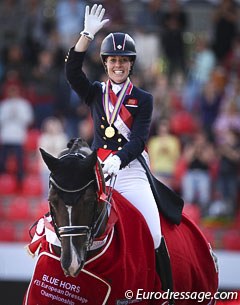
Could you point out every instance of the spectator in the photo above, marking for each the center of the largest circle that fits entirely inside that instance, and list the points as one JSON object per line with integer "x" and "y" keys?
{"x": 149, "y": 17}
{"x": 176, "y": 91}
{"x": 232, "y": 59}
{"x": 69, "y": 19}
{"x": 11, "y": 14}
{"x": 70, "y": 108}
{"x": 16, "y": 115}
{"x": 236, "y": 92}
{"x": 147, "y": 35}
{"x": 229, "y": 165}
{"x": 146, "y": 43}
{"x": 53, "y": 45}
{"x": 219, "y": 78}
{"x": 115, "y": 13}
{"x": 209, "y": 107}
{"x": 53, "y": 139}
{"x": 45, "y": 78}
{"x": 228, "y": 118}
{"x": 164, "y": 151}
{"x": 12, "y": 78}
{"x": 225, "y": 27}
{"x": 232, "y": 92}
{"x": 174, "y": 24}
{"x": 201, "y": 67}
{"x": 196, "y": 181}
{"x": 35, "y": 29}
{"x": 162, "y": 97}
{"x": 14, "y": 60}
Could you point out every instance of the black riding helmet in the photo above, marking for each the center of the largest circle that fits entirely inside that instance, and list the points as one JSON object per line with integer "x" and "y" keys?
{"x": 118, "y": 44}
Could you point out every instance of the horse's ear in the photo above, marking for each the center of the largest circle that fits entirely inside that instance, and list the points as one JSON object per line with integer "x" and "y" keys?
{"x": 91, "y": 160}
{"x": 51, "y": 162}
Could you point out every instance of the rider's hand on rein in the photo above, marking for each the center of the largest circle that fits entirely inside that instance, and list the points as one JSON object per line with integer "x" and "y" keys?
{"x": 112, "y": 166}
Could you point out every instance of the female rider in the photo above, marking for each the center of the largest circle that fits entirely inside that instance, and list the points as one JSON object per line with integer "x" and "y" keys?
{"x": 121, "y": 114}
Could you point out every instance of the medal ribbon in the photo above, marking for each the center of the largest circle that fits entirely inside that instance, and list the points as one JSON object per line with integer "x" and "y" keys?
{"x": 111, "y": 117}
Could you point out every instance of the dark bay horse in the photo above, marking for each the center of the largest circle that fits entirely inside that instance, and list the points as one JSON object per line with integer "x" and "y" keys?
{"x": 96, "y": 250}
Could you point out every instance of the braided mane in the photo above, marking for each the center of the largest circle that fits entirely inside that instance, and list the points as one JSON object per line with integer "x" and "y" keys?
{"x": 77, "y": 145}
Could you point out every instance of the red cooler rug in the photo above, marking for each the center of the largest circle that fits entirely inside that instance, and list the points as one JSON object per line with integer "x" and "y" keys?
{"x": 125, "y": 262}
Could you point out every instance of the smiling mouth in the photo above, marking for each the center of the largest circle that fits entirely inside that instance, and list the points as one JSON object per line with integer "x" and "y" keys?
{"x": 118, "y": 72}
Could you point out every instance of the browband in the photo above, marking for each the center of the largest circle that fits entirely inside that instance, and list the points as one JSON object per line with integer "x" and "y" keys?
{"x": 69, "y": 191}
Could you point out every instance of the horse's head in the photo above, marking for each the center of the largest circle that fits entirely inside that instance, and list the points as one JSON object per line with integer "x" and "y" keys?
{"x": 77, "y": 212}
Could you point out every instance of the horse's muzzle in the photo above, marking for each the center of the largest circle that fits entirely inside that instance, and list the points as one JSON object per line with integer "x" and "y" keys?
{"x": 73, "y": 257}
{"x": 72, "y": 271}
{"x": 72, "y": 267}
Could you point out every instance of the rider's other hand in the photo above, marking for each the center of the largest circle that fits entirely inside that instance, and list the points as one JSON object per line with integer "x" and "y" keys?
{"x": 93, "y": 20}
{"x": 112, "y": 166}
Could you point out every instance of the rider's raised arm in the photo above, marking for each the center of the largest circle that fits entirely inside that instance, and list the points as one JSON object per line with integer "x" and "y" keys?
{"x": 74, "y": 61}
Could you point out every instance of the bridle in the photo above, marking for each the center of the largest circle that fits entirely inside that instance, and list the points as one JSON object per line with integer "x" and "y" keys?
{"x": 91, "y": 231}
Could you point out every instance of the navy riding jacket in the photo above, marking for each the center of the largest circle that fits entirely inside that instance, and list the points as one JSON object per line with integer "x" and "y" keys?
{"x": 92, "y": 94}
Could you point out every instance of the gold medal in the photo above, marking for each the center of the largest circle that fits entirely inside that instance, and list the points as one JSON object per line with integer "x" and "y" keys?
{"x": 109, "y": 132}
{"x": 111, "y": 114}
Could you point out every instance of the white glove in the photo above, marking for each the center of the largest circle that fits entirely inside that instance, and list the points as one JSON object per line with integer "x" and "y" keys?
{"x": 112, "y": 166}
{"x": 93, "y": 21}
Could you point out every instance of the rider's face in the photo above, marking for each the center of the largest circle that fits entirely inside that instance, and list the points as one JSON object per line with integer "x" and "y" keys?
{"x": 118, "y": 68}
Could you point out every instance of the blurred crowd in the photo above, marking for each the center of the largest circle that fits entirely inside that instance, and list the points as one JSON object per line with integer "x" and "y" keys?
{"x": 194, "y": 143}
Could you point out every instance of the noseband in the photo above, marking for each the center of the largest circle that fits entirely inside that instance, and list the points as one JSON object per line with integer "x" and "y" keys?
{"x": 74, "y": 231}
{"x": 71, "y": 231}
